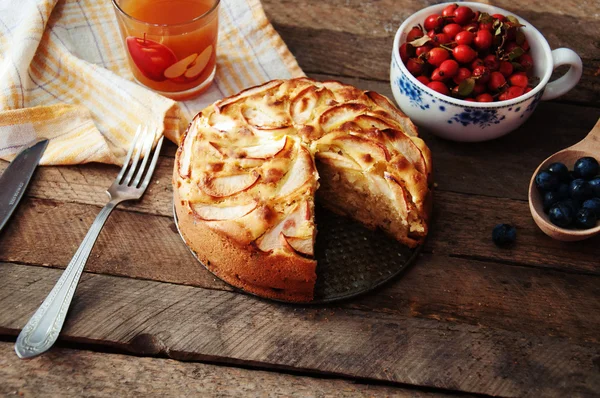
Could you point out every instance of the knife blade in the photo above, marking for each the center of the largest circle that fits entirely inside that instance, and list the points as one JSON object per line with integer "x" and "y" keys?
{"x": 16, "y": 177}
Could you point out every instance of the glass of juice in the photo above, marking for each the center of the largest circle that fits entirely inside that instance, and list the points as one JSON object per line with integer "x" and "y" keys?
{"x": 171, "y": 45}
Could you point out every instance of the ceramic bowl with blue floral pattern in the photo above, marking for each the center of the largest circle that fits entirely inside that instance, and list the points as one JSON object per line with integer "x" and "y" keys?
{"x": 461, "y": 120}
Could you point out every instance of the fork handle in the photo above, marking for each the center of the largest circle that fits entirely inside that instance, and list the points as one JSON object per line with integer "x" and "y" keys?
{"x": 40, "y": 333}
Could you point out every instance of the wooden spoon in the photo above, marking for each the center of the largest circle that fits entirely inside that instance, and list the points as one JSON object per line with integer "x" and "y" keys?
{"x": 589, "y": 146}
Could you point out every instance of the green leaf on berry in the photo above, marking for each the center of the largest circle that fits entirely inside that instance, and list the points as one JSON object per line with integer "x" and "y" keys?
{"x": 498, "y": 31}
{"x": 484, "y": 17}
{"x": 512, "y": 19}
{"x": 420, "y": 41}
{"x": 466, "y": 86}
{"x": 517, "y": 66}
{"x": 515, "y": 53}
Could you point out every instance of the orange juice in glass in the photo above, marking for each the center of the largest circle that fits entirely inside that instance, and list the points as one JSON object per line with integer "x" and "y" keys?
{"x": 171, "y": 44}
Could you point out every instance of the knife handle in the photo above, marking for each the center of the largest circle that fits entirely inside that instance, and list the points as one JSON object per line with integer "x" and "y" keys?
{"x": 42, "y": 330}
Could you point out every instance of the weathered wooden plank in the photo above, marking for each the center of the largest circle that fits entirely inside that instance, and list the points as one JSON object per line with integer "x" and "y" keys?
{"x": 191, "y": 323}
{"x": 355, "y": 38}
{"x": 67, "y": 373}
{"x": 131, "y": 244}
{"x": 461, "y": 226}
{"x": 464, "y": 290}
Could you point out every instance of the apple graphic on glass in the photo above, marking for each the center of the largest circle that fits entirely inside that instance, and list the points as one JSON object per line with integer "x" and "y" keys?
{"x": 157, "y": 62}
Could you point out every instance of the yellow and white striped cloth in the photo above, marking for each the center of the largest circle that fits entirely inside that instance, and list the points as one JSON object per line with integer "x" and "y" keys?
{"x": 64, "y": 76}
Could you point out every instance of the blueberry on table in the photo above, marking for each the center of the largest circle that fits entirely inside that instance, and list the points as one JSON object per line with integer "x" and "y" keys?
{"x": 546, "y": 181}
{"x": 580, "y": 190}
{"x": 595, "y": 184}
{"x": 550, "y": 199}
{"x": 585, "y": 218}
{"x": 504, "y": 234}
{"x": 560, "y": 170}
{"x": 593, "y": 205}
{"x": 561, "y": 215}
{"x": 585, "y": 168}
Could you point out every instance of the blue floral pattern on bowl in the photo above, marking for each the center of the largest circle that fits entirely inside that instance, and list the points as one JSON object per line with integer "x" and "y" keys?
{"x": 414, "y": 93}
{"x": 478, "y": 117}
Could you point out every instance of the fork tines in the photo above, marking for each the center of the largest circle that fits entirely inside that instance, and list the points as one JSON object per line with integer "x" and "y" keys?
{"x": 141, "y": 147}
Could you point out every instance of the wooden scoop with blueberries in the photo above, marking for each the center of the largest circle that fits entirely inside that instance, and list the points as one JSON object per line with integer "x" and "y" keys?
{"x": 564, "y": 192}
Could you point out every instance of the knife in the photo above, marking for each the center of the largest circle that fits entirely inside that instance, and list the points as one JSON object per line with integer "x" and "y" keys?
{"x": 16, "y": 177}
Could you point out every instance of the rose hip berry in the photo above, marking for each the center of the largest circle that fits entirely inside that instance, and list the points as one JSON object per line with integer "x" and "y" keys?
{"x": 415, "y": 33}
{"x": 463, "y": 15}
{"x": 470, "y": 55}
{"x": 439, "y": 87}
{"x": 437, "y": 55}
{"x": 464, "y": 54}
{"x": 432, "y": 22}
{"x": 465, "y": 37}
{"x": 452, "y": 30}
{"x": 448, "y": 12}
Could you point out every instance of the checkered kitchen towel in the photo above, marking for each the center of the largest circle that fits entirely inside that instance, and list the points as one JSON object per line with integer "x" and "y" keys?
{"x": 64, "y": 76}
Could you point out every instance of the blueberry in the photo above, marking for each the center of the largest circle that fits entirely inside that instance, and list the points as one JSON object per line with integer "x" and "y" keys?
{"x": 563, "y": 191}
{"x": 550, "y": 198}
{"x": 559, "y": 170}
{"x": 585, "y": 168}
{"x": 593, "y": 205}
{"x": 546, "y": 181}
{"x": 580, "y": 190}
{"x": 561, "y": 215}
{"x": 572, "y": 204}
{"x": 595, "y": 184}
{"x": 504, "y": 234}
{"x": 585, "y": 219}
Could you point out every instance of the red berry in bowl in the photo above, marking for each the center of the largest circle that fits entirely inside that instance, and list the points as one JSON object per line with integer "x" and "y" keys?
{"x": 483, "y": 39}
{"x": 463, "y": 15}
{"x": 414, "y": 66}
{"x": 432, "y": 22}
{"x": 448, "y": 12}
{"x": 477, "y": 62}
{"x": 479, "y": 88}
{"x": 438, "y": 76}
{"x": 437, "y": 55}
{"x": 485, "y": 97}
{"x": 499, "y": 17}
{"x": 505, "y": 68}
{"x": 482, "y": 74}
{"x": 491, "y": 62}
{"x": 439, "y": 87}
{"x": 519, "y": 79}
{"x": 497, "y": 81}
{"x": 526, "y": 61}
{"x": 462, "y": 74}
{"x": 449, "y": 68}
{"x": 423, "y": 49}
{"x": 464, "y": 54}
{"x": 441, "y": 38}
{"x": 486, "y": 25}
{"x": 415, "y": 33}
{"x": 406, "y": 51}
{"x": 464, "y": 37}
{"x": 514, "y": 92}
{"x": 423, "y": 79}
{"x": 452, "y": 30}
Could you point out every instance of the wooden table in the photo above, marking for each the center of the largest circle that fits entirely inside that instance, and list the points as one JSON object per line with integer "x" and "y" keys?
{"x": 467, "y": 318}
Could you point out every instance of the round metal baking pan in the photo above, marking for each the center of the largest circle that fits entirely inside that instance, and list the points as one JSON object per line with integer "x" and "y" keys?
{"x": 351, "y": 259}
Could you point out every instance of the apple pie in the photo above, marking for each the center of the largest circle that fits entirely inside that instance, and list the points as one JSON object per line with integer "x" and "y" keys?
{"x": 249, "y": 167}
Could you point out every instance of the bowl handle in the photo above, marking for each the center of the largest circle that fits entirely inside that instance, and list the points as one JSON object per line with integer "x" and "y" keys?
{"x": 563, "y": 56}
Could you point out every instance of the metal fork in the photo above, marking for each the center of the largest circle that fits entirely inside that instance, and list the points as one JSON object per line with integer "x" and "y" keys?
{"x": 40, "y": 333}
